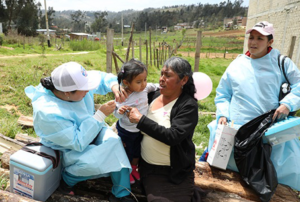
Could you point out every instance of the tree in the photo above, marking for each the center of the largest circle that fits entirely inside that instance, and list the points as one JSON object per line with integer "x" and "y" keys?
{"x": 27, "y": 19}
{"x": 50, "y": 15}
{"x": 10, "y": 4}
{"x": 78, "y": 20}
{"x": 3, "y": 16}
{"x": 100, "y": 24}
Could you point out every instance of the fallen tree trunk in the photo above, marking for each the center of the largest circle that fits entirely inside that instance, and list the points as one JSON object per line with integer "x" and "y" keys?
{"x": 210, "y": 178}
{"x": 6, "y": 196}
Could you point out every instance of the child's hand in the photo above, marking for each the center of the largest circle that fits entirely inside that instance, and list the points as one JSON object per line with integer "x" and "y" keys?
{"x": 122, "y": 109}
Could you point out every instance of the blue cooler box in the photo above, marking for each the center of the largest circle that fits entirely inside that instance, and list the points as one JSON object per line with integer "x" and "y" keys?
{"x": 32, "y": 175}
{"x": 283, "y": 131}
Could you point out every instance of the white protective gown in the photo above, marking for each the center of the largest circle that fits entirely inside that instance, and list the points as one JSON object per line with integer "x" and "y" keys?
{"x": 70, "y": 128}
{"x": 249, "y": 88}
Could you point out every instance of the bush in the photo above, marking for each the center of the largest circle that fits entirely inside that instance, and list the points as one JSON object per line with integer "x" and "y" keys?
{"x": 84, "y": 45}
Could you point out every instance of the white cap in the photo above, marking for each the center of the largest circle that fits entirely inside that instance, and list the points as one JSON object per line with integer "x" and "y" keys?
{"x": 72, "y": 76}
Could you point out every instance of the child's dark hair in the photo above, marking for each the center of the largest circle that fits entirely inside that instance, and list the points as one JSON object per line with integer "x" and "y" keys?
{"x": 130, "y": 70}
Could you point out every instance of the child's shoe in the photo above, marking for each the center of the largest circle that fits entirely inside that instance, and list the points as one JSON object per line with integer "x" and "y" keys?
{"x": 135, "y": 173}
{"x": 132, "y": 181}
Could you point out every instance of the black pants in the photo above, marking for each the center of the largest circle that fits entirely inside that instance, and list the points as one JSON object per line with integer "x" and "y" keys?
{"x": 158, "y": 188}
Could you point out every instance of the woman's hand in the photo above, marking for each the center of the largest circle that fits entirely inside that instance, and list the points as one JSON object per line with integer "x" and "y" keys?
{"x": 222, "y": 120}
{"x": 119, "y": 95}
{"x": 281, "y": 112}
{"x": 134, "y": 115}
{"x": 108, "y": 108}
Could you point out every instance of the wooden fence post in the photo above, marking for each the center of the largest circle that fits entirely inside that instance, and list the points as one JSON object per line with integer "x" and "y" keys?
{"x": 162, "y": 52}
{"x": 197, "y": 54}
{"x": 132, "y": 46}
{"x": 146, "y": 53}
{"x": 109, "y": 49}
{"x": 157, "y": 59}
{"x": 159, "y": 53}
{"x": 150, "y": 46}
{"x": 291, "y": 50}
{"x": 154, "y": 60}
{"x": 140, "y": 49}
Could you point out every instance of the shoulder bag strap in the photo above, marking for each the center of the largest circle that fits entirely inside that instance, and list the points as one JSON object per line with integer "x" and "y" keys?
{"x": 282, "y": 67}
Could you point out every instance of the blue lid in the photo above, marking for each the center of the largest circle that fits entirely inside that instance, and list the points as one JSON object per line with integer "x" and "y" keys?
{"x": 290, "y": 122}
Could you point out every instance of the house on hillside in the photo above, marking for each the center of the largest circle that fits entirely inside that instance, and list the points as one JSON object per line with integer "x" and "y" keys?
{"x": 78, "y": 36}
{"x": 239, "y": 21}
{"x": 184, "y": 25}
{"x": 44, "y": 31}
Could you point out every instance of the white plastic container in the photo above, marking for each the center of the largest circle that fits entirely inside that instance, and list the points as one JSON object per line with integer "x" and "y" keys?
{"x": 283, "y": 131}
{"x": 32, "y": 175}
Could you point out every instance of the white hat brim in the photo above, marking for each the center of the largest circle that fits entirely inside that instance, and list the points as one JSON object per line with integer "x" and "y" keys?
{"x": 259, "y": 30}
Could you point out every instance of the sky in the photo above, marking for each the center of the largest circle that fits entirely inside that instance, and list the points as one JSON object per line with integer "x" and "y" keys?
{"x": 119, "y": 5}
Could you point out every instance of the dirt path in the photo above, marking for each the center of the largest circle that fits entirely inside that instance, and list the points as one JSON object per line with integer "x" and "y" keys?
{"x": 37, "y": 55}
{"x": 209, "y": 55}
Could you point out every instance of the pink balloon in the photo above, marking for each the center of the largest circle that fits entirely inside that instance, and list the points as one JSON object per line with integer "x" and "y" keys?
{"x": 203, "y": 85}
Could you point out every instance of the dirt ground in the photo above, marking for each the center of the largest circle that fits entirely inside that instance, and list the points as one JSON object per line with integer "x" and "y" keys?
{"x": 210, "y": 55}
{"x": 223, "y": 33}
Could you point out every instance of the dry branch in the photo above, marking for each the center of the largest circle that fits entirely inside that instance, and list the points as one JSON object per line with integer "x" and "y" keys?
{"x": 130, "y": 40}
{"x": 115, "y": 54}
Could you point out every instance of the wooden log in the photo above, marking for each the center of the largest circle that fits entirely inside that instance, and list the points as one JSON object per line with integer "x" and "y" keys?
{"x": 57, "y": 196}
{"x": 4, "y": 173}
{"x": 5, "y": 158}
{"x": 25, "y": 138}
{"x": 25, "y": 121}
{"x": 6, "y": 196}
{"x": 6, "y": 143}
{"x": 210, "y": 178}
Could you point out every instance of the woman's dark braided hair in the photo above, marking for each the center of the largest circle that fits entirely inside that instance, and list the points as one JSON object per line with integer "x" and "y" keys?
{"x": 182, "y": 68}
{"x": 47, "y": 83}
{"x": 130, "y": 70}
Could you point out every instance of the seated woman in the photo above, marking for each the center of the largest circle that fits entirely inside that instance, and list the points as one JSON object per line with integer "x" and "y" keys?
{"x": 250, "y": 87}
{"x": 167, "y": 150}
{"x": 65, "y": 120}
